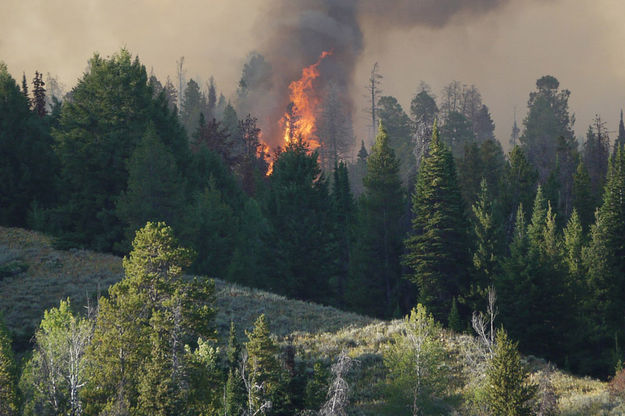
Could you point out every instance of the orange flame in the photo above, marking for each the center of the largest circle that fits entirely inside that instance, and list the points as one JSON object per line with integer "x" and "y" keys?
{"x": 299, "y": 122}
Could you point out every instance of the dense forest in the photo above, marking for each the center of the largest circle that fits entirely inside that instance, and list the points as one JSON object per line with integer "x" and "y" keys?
{"x": 432, "y": 222}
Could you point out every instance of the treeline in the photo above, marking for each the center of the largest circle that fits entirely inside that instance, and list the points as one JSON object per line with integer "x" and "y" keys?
{"x": 440, "y": 224}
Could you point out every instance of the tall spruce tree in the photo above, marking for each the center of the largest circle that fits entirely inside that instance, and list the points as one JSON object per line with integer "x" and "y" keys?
{"x": 344, "y": 218}
{"x": 375, "y": 267}
{"x": 437, "y": 251}
{"x": 584, "y": 202}
{"x": 620, "y": 140}
{"x": 300, "y": 241}
{"x": 605, "y": 259}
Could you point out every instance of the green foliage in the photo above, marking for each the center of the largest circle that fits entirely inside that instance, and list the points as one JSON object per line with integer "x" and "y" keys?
{"x": 317, "y": 387}
{"x": 300, "y": 244}
{"x": 454, "y": 320}
{"x": 267, "y": 379}
{"x": 155, "y": 187}
{"x": 419, "y": 378}
{"x": 583, "y": 200}
{"x": 605, "y": 260}
{"x": 457, "y": 133}
{"x": 55, "y": 374}
{"x": 398, "y": 127}
{"x": 508, "y": 392}
{"x": 547, "y": 119}
{"x": 437, "y": 251}
{"x": 27, "y": 162}
{"x": 520, "y": 181}
{"x": 344, "y": 209}
{"x": 375, "y": 265}
{"x": 99, "y": 129}
{"x": 8, "y": 374}
{"x": 143, "y": 326}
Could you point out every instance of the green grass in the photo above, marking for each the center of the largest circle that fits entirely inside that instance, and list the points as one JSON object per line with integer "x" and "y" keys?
{"x": 39, "y": 276}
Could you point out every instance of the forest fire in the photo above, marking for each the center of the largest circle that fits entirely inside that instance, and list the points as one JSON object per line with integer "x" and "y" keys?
{"x": 299, "y": 121}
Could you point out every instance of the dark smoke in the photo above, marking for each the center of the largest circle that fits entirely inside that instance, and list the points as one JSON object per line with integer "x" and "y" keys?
{"x": 296, "y": 32}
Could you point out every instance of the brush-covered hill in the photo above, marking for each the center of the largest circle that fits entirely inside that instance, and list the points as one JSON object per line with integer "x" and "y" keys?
{"x": 34, "y": 277}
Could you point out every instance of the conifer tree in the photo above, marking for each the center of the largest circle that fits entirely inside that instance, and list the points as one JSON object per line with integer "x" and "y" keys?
{"x": 99, "y": 129}
{"x": 583, "y": 201}
{"x": 39, "y": 95}
{"x": 8, "y": 374}
{"x": 375, "y": 268}
{"x": 437, "y": 251}
{"x": 344, "y": 212}
{"x": 155, "y": 187}
{"x": 300, "y": 241}
{"x": 25, "y": 89}
{"x": 266, "y": 382}
{"x": 145, "y": 323}
{"x": 620, "y": 140}
{"x": 508, "y": 391}
{"x": 520, "y": 180}
{"x": 605, "y": 259}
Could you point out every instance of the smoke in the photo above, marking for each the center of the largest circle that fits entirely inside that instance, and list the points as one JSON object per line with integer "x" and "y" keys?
{"x": 298, "y": 31}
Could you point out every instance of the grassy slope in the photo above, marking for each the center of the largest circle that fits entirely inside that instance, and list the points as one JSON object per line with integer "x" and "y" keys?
{"x": 317, "y": 332}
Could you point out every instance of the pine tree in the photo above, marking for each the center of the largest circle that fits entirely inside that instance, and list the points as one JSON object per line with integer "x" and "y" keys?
{"x": 583, "y": 201}
{"x": 437, "y": 251}
{"x": 620, "y": 140}
{"x": 508, "y": 392}
{"x": 487, "y": 248}
{"x": 144, "y": 324}
{"x": 300, "y": 242}
{"x": 155, "y": 187}
{"x": 344, "y": 212}
{"x": 39, "y": 95}
{"x": 397, "y": 125}
{"x": 99, "y": 129}
{"x": 27, "y": 162}
{"x": 375, "y": 268}
{"x": 266, "y": 381}
{"x": 25, "y": 89}
{"x": 520, "y": 179}
{"x": 8, "y": 374}
{"x": 605, "y": 259}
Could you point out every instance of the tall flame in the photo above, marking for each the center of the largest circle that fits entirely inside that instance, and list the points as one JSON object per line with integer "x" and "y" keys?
{"x": 300, "y": 119}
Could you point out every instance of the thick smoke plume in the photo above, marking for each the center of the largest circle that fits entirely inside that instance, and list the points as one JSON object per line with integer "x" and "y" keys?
{"x": 296, "y": 32}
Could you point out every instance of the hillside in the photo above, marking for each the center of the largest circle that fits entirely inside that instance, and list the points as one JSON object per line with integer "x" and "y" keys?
{"x": 34, "y": 276}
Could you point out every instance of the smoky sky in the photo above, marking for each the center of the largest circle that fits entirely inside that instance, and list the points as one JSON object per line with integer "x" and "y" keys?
{"x": 500, "y": 46}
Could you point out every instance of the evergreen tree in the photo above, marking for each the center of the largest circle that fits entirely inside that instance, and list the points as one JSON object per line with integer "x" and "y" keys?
{"x": 267, "y": 379}
{"x": 456, "y": 133}
{"x": 191, "y": 107}
{"x": 99, "y": 129}
{"x": 138, "y": 349}
{"x": 620, "y": 140}
{"x": 520, "y": 179}
{"x": 344, "y": 218}
{"x": 300, "y": 243}
{"x": 397, "y": 125}
{"x": 39, "y": 95}
{"x": 8, "y": 374}
{"x": 27, "y": 162}
{"x": 437, "y": 251}
{"x": 596, "y": 154}
{"x": 508, "y": 391}
{"x": 155, "y": 187}
{"x": 547, "y": 120}
{"x": 487, "y": 247}
{"x": 583, "y": 201}
{"x": 25, "y": 89}
{"x": 375, "y": 268}
{"x": 605, "y": 259}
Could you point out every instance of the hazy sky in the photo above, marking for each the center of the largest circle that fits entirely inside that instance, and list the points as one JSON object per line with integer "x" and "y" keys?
{"x": 503, "y": 52}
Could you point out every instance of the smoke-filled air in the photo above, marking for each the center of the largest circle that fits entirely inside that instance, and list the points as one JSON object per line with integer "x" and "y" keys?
{"x": 312, "y": 207}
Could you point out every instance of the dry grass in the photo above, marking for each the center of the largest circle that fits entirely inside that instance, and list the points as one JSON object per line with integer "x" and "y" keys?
{"x": 317, "y": 332}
